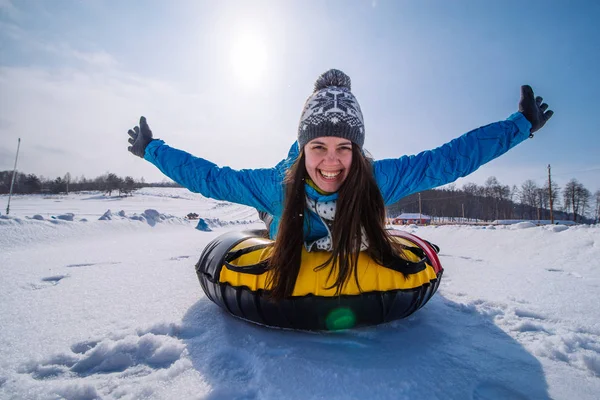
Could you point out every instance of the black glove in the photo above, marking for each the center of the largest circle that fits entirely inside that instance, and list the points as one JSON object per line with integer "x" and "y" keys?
{"x": 140, "y": 137}
{"x": 533, "y": 109}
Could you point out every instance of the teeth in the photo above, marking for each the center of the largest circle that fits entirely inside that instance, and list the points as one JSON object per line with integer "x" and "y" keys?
{"x": 330, "y": 175}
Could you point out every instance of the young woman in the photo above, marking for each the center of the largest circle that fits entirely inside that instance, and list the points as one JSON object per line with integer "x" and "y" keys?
{"x": 328, "y": 195}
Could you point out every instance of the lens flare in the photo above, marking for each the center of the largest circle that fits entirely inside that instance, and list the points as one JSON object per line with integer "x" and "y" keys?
{"x": 340, "y": 318}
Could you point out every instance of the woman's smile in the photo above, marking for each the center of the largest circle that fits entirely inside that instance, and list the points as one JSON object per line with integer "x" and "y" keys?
{"x": 328, "y": 160}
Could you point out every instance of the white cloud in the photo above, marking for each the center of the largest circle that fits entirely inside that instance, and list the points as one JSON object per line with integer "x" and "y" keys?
{"x": 76, "y": 121}
{"x": 8, "y": 8}
{"x": 92, "y": 58}
{"x": 62, "y": 50}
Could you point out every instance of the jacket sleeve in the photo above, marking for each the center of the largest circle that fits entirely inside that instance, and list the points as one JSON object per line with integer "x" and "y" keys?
{"x": 258, "y": 188}
{"x": 400, "y": 177}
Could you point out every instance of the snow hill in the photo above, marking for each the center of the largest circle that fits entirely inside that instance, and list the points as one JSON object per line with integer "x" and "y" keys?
{"x": 112, "y": 309}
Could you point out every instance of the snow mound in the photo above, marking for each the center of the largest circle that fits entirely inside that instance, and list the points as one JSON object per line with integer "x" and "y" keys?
{"x": 151, "y": 216}
{"x": 523, "y": 225}
{"x": 66, "y": 217}
{"x": 14, "y": 231}
{"x": 557, "y": 228}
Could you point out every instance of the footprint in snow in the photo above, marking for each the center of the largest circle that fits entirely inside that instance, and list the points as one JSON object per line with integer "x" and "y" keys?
{"x": 494, "y": 390}
{"x": 526, "y": 321}
{"x": 579, "y": 350}
{"x": 521, "y": 313}
{"x": 54, "y": 279}
{"x": 518, "y": 300}
{"x": 573, "y": 274}
{"x": 48, "y": 281}
{"x": 179, "y": 258}
{"x": 528, "y": 326}
{"x": 92, "y": 264}
{"x": 137, "y": 354}
{"x": 578, "y": 347}
{"x": 79, "y": 265}
{"x": 462, "y": 257}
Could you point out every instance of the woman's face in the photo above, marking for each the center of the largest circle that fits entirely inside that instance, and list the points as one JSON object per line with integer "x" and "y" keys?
{"x": 328, "y": 161}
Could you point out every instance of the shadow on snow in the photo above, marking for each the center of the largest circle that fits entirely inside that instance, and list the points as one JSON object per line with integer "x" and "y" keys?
{"x": 444, "y": 351}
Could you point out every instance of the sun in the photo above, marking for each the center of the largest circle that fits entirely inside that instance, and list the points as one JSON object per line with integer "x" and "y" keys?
{"x": 249, "y": 58}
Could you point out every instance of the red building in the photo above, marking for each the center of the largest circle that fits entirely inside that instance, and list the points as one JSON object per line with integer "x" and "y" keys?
{"x": 411, "y": 218}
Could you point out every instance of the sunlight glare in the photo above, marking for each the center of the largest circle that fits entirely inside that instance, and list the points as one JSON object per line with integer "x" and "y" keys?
{"x": 249, "y": 58}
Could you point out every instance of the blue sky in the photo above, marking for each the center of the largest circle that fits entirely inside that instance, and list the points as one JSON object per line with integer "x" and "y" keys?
{"x": 226, "y": 80}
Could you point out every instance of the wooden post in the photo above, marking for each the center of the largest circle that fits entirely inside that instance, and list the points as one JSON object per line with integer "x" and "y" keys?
{"x": 550, "y": 194}
{"x": 420, "y": 221}
{"x": 12, "y": 182}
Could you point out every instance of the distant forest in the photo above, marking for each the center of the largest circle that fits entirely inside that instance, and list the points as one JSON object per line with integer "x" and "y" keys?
{"x": 109, "y": 183}
{"x": 494, "y": 201}
{"x": 488, "y": 202}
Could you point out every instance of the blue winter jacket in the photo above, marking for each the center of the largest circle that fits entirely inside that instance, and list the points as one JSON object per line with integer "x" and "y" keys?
{"x": 263, "y": 188}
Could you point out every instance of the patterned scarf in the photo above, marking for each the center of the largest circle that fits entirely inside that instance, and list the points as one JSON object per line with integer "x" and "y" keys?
{"x": 326, "y": 212}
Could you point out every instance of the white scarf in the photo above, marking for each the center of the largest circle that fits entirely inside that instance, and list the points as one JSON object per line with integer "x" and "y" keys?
{"x": 326, "y": 212}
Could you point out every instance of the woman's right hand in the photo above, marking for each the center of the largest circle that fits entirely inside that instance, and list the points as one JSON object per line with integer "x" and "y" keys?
{"x": 140, "y": 137}
{"x": 534, "y": 109}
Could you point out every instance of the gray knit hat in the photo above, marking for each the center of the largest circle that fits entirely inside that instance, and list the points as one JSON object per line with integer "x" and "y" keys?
{"x": 332, "y": 110}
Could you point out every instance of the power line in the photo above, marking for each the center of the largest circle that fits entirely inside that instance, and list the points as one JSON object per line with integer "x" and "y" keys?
{"x": 569, "y": 173}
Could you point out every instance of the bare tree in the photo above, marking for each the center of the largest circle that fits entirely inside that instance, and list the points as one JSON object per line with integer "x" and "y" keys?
{"x": 529, "y": 196}
{"x": 576, "y": 198}
{"x": 584, "y": 196}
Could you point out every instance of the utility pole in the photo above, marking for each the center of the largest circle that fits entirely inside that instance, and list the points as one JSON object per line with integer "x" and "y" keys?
{"x": 419, "y": 207}
{"x": 550, "y": 195}
{"x": 12, "y": 182}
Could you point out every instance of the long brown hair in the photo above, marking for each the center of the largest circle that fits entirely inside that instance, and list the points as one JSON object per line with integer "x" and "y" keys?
{"x": 359, "y": 206}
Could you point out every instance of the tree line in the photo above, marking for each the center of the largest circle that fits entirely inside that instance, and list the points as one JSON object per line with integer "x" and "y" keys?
{"x": 488, "y": 202}
{"x": 108, "y": 183}
{"x": 494, "y": 201}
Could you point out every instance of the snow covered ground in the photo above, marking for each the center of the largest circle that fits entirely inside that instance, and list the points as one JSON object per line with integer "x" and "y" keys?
{"x": 112, "y": 309}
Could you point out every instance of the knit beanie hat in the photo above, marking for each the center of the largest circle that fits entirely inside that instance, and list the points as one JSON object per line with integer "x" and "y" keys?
{"x": 332, "y": 110}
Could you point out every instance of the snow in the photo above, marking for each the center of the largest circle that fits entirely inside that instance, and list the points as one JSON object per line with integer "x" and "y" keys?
{"x": 112, "y": 309}
{"x": 537, "y": 222}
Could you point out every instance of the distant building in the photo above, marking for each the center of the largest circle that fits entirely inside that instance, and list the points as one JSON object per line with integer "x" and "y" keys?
{"x": 411, "y": 218}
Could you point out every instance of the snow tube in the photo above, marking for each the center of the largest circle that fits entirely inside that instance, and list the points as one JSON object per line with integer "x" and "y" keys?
{"x": 233, "y": 273}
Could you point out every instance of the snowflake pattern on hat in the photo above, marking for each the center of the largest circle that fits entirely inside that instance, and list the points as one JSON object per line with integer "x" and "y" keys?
{"x": 335, "y": 105}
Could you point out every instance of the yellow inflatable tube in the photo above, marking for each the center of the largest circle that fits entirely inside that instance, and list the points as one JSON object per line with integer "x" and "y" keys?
{"x": 233, "y": 272}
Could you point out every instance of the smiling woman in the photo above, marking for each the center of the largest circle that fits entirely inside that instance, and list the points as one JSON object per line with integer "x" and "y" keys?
{"x": 249, "y": 58}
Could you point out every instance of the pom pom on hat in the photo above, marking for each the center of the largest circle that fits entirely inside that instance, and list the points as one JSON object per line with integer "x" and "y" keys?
{"x": 332, "y": 110}
{"x": 333, "y": 77}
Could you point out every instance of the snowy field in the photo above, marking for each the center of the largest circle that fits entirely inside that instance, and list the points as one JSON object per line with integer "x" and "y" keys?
{"x": 112, "y": 309}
